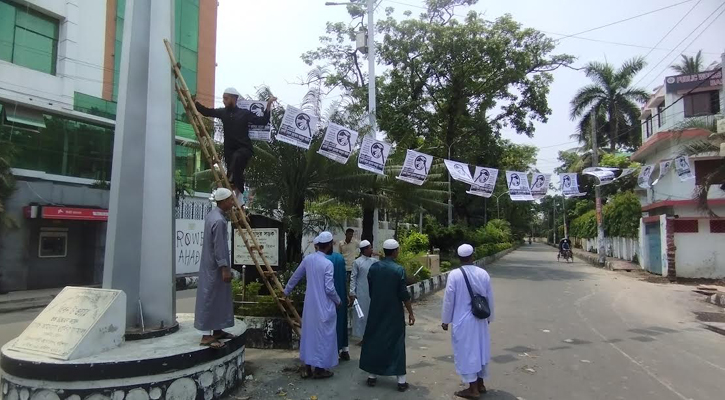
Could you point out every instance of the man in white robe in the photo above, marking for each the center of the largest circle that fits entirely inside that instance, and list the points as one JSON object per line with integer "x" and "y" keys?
{"x": 359, "y": 289}
{"x": 470, "y": 335}
{"x": 318, "y": 341}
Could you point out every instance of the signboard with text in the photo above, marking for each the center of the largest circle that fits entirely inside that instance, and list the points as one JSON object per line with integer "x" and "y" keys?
{"x": 700, "y": 80}
{"x": 268, "y": 239}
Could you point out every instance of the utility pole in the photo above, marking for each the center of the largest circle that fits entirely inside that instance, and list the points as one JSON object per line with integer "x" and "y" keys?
{"x": 371, "y": 68}
{"x": 598, "y": 192}
{"x": 555, "y": 229}
{"x": 563, "y": 202}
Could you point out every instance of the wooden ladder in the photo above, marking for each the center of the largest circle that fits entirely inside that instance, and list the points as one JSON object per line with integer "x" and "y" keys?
{"x": 238, "y": 216}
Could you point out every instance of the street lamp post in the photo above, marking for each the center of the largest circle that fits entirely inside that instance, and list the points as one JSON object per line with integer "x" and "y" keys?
{"x": 450, "y": 193}
{"x": 498, "y": 211}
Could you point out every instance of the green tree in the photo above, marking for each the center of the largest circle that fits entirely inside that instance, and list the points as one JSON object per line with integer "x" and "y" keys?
{"x": 711, "y": 145}
{"x": 612, "y": 94}
{"x": 689, "y": 65}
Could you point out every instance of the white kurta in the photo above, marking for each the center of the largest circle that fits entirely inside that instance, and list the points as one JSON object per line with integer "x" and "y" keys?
{"x": 470, "y": 335}
{"x": 318, "y": 343}
{"x": 359, "y": 288}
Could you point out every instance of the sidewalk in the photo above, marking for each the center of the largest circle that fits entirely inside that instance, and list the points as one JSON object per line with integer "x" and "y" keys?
{"x": 26, "y": 299}
{"x": 611, "y": 263}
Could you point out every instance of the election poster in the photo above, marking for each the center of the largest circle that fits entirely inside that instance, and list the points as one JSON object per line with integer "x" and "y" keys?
{"x": 484, "y": 182}
{"x": 644, "y": 175}
{"x": 373, "y": 155}
{"x": 603, "y": 174}
{"x": 459, "y": 171}
{"x": 539, "y": 185}
{"x": 518, "y": 184}
{"x": 258, "y": 108}
{"x": 664, "y": 168}
{"x": 416, "y": 167}
{"x": 570, "y": 185}
{"x": 297, "y": 127}
{"x": 338, "y": 143}
{"x": 682, "y": 168}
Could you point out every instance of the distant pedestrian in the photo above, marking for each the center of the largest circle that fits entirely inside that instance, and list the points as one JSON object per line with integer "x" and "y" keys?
{"x": 349, "y": 248}
{"x": 470, "y": 335}
{"x": 383, "y": 347}
{"x": 214, "y": 308}
{"x": 359, "y": 288}
{"x": 318, "y": 341}
{"x": 340, "y": 278}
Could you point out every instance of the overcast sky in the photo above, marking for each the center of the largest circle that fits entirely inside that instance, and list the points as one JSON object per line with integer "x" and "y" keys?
{"x": 261, "y": 43}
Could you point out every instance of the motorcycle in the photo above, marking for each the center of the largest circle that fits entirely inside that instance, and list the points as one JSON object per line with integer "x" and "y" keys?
{"x": 566, "y": 254}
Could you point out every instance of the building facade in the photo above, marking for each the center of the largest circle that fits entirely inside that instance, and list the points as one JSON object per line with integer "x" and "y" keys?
{"x": 677, "y": 238}
{"x": 59, "y": 74}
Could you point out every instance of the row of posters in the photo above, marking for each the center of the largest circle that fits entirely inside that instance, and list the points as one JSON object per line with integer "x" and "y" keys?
{"x": 682, "y": 169}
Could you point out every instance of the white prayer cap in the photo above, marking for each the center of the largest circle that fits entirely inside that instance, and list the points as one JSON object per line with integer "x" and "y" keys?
{"x": 465, "y": 250}
{"x": 324, "y": 237}
{"x": 390, "y": 244}
{"x": 231, "y": 91}
{"x": 222, "y": 194}
{"x": 316, "y": 240}
{"x": 364, "y": 244}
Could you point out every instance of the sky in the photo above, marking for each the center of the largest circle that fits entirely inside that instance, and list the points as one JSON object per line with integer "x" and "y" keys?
{"x": 284, "y": 29}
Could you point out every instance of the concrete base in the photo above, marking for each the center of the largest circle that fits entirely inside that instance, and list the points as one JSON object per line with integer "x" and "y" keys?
{"x": 169, "y": 367}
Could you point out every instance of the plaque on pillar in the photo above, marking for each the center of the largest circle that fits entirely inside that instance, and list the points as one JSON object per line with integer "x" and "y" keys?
{"x": 79, "y": 322}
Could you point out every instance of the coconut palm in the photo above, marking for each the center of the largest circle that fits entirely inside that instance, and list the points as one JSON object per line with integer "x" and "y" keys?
{"x": 689, "y": 65}
{"x": 612, "y": 94}
{"x": 707, "y": 147}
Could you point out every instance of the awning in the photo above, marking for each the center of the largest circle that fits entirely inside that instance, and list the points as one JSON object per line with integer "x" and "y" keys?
{"x": 74, "y": 213}
{"x": 24, "y": 116}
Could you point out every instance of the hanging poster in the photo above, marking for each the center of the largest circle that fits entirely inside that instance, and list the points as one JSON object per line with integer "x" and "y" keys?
{"x": 338, "y": 143}
{"x": 257, "y": 132}
{"x": 518, "y": 184}
{"x": 539, "y": 185}
{"x": 373, "y": 155}
{"x": 644, "y": 175}
{"x": 297, "y": 127}
{"x": 416, "y": 167}
{"x": 459, "y": 171}
{"x": 626, "y": 172}
{"x": 603, "y": 174}
{"x": 664, "y": 168}
{"x": 484, "y": 182}
{"x": 682, "y": 168}
{"x": 570, "y": 185}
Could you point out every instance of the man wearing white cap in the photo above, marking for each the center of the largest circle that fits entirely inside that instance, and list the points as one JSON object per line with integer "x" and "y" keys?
{"x": 238, "y": 149}
{"x": 383, "y": 347}
{"x": 214, "y": 309}
{"x": 359, "y": 286}
{"x": 470, "y": 334}
{"x": 318, "y": 342}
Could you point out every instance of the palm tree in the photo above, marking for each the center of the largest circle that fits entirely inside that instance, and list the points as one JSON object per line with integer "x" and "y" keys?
{"x": 712, "y": 147}
{"x": 611, "y": 94}
{"x": 689, "y": 65}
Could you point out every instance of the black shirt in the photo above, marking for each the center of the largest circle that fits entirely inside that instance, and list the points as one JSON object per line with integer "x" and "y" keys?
{"x": 236, "y": 123}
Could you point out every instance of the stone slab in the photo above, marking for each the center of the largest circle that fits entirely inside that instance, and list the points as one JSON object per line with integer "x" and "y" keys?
{"x": 79, "y": 322}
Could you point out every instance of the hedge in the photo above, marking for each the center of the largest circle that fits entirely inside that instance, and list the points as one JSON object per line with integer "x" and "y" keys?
{"x": 620, "y": 216}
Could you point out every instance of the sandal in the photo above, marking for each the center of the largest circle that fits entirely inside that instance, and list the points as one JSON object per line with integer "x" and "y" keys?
{"x": 224, "y": 336}
{"x": 402, "y": 387}
{"x": 466, "y": 394}
{"x": 372, "y": 382}
{"x": 323, "y": 375}
{"x": 213, "y": 344}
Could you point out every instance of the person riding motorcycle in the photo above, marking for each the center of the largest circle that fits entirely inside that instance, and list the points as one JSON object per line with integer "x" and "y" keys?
{"x": 564, "y": 245}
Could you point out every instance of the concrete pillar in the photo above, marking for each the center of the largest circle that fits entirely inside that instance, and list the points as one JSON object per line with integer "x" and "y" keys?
{"x": 139, "y": 246}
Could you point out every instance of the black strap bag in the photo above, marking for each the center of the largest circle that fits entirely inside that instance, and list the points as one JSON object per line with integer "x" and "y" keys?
{"x": 479, "y": 304}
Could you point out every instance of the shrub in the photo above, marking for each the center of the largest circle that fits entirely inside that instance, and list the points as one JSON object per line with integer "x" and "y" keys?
{"x": 415, "y": 242}
{"x": 490, "y": 249}
{"x": 584, "y": 226}
{"x": 446, "y": 266}
{"x": 622, "y": 214}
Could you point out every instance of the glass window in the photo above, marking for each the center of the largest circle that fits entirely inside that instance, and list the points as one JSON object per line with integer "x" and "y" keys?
{"x": 29, "y": 38}
{"x": 53, "y": 244}
{"x": 704, "y": 103}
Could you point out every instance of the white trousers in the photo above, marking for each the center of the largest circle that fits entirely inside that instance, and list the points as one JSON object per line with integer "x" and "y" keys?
{"x": 401, "y": 378}
{"x": 470, "y": 378}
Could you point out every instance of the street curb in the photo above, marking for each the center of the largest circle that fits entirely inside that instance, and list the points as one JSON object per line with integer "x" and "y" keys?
{"x": 592, "y": 259}
{"x": 714, "y": 328}
{"x": 490, "y": 259}
{"x": 717, "y": 299}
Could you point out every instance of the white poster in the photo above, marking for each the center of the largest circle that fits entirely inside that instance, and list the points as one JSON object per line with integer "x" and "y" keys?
{"x": 459, "y": 171}
{"x": 189, "y": 239}
{"x": 257, "y": 132}
{"x": 570, "y": 185}
{"x": 338, "y": 143}
{"x": 268, "y": 239}
{"x": 297, "y": 127}
{"x": 539, "y": 185}
{"x": 626, "y": 172}
{"x": 603, "y": 174}
{"x": 664, "y": 168}
{"x": 373, "y": 155}
{"x": 484, "y": 182}
{"x": 518, "y": 184}
{"x": 644, "y": 175}
{"x": 682, "y": 168}
{"x": 416, "y": 167}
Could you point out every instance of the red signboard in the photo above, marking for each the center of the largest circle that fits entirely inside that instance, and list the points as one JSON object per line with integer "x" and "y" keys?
{"x": 81, "y": 214}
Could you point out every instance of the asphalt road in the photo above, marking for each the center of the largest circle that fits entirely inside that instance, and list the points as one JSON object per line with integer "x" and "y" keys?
{"x": 562, "y": 331}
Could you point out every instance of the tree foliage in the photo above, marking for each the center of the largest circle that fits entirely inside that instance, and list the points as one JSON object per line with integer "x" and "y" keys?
{"x": 689, "y": 65}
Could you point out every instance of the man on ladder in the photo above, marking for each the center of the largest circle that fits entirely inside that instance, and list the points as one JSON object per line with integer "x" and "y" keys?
{"x": 238, "y": 148}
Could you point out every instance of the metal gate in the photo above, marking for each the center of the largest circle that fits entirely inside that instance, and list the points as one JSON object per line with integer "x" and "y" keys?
{"x": 654, "y": 245}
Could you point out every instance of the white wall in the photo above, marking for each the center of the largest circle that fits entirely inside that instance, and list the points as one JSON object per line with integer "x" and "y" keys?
{"x": 91, "y": 47}
{"x": 700, "y": 255}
